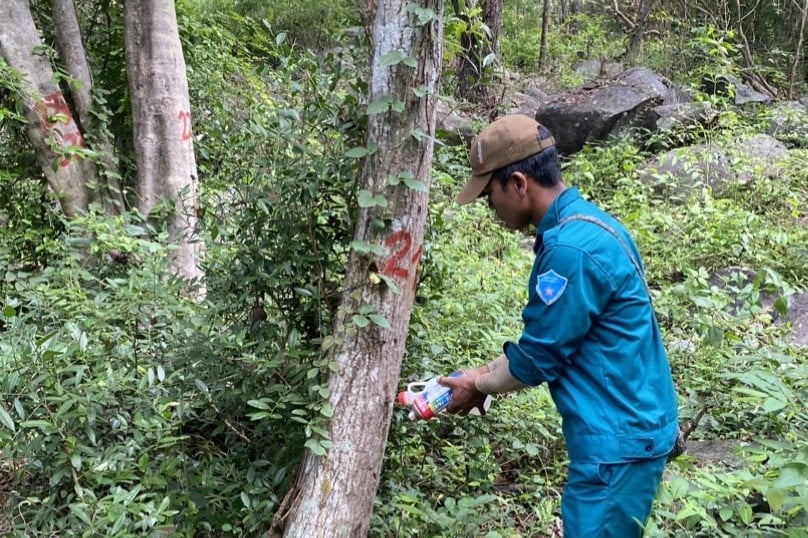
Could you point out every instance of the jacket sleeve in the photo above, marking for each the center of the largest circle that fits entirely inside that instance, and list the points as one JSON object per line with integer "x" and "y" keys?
{"x": 568, "y": 290}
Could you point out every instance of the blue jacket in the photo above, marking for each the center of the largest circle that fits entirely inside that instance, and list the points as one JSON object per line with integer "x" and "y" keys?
{"x": 590, "y": 333}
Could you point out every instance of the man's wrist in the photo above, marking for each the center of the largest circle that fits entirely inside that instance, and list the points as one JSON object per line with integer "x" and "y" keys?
{"x": 498, "y": 379}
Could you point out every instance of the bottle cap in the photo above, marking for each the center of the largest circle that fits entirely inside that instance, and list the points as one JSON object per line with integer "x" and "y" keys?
{"x": 405, "y": 397}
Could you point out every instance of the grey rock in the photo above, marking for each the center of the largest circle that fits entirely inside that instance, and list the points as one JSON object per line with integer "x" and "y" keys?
{"x": 596, "y": 111}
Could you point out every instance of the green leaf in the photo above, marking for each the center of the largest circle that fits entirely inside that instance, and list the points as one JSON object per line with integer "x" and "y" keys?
{"x": 425, "y": 15}
{"x": 421, "y": 91}
{"x": 360, "y": 321}
{"x": 745, "y": 512}
{"x": 201, "y": 386}
{"x": 416, "y": 185}
{"x": 771, "y": 405}
{"x": 6, "y": 419}
{"x": 781, "y": 306}
{"x": 258, "y": 404}
{"x": 775, "y": 497}
{"x": 380, "y": 106}
{"x": 686, "y": 512}
{"x": 79, "y": 512}
{"x": 364, "y": 248}
{"x": 19, "y": 408}
{"x": 679, "y": 488}
{"x": 357, "y": 152}
{"x": 379, "y": 320}
{"x": 134, "y": 231}
{"x": 44, "y": 424}
{"x": 792, "y": 475}
{"x": 388, "y": 281}
{"x": 366, "y": 198}
{"x": 394, "y": 57}
{"x": 9, "y": 312}
{"x": 315, "y": 446}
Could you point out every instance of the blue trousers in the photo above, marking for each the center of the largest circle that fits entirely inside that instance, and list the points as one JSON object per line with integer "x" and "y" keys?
{"x": 609, "y": 500}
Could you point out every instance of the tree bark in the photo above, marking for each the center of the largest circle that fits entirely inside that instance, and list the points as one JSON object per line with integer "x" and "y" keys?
{"x": 798, "y": 55}
{"x": 72, "y": 54}
{"x": 638, "y": 31}
{"x": 475, "y": 50}
{"x": 161, "y": 114}
{"x": 333, "y": 496}
{"x": 545, "y": 22}
{"x": 52, "y": 131}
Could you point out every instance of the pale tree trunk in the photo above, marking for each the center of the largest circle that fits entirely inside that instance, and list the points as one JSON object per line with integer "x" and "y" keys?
{"x": 72, "y": 54}
{"x": 545, "y": 23}
{"x": 54, "y": 134}
{"x": 161, "y": 114}
{"x": 798, "y": 55}
{"x": 334, "y": 493}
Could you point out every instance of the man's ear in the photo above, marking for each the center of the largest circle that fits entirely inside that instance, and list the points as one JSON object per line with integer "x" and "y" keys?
{"x": 519, "y": 180}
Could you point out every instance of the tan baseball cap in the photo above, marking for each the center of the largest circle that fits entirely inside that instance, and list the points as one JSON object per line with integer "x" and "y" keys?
{"x": 504, "y": 141}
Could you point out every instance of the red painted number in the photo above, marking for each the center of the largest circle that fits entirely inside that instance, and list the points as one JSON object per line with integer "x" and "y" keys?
{"x": 400, "y": 263}
{"x": 185, "y": 118}
{"x": 68, "y": 132}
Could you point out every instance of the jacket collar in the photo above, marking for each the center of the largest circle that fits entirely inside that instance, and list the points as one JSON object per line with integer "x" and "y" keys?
{"x": 553, "y": 214}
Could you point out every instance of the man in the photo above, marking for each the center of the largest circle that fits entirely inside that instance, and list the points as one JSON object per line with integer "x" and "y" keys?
{"x": 589, "y": 332}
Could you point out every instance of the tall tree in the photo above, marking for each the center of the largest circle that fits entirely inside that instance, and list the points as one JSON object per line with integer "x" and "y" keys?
{"x": 161, "y": 113}
{"x": 478, "y": 44}
{"x": 638, "y": 31}
{"x": 798, "y": 55}
{"x": 63, "y": 132}
{"x": 335, "y": 488}
{"x": 52, "y": 130}
{"x": 545, "y": 23}
{"x": 67, "y": 35}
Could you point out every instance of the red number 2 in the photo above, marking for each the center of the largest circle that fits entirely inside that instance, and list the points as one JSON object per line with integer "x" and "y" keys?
{"x": 400, "y": 262}
{"x": 185, "y": 118}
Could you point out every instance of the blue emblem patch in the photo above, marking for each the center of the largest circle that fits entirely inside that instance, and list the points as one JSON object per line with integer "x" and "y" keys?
{"x": 550, "y": 286}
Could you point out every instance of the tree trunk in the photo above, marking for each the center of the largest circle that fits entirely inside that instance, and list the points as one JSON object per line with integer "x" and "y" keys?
{"x": 638, "y": 32}
{"x": 161, "y": 114}
{"x": 334, "y": 493}
{"x": 54, "y": 134}
{"x": 475, "y": 51}
{"x": 798, "y": 55}
{"x": 545, "y": 22}
{"x": 73, "y": 56}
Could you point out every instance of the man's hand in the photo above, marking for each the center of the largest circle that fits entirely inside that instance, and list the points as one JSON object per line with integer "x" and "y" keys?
{"x": 465, "y": 395}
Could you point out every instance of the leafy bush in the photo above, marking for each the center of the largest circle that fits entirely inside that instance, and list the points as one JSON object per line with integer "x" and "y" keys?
{"x": 90, "y": 409}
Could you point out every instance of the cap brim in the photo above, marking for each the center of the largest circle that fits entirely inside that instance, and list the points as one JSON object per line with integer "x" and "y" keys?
{"x": 472, "y": 190}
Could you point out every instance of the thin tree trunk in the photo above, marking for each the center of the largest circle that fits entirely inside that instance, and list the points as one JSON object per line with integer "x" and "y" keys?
{"x": 161, "y": 112}
{"x": 638, "y": 32}
{"x": 798, "y": 55}
{"x": 334, "y": 493}
{"x": 545, "y": 23}
{"x": 54, "y": 134}
{"x": 475, "y": 50}
{"x": 74, "y": 57}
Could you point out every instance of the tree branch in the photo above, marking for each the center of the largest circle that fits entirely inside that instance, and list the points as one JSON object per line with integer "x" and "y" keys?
{"x": 628, "y": 22}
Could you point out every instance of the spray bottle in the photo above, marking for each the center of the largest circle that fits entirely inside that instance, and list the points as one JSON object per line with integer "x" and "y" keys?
{"x": 430, "y": 398}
